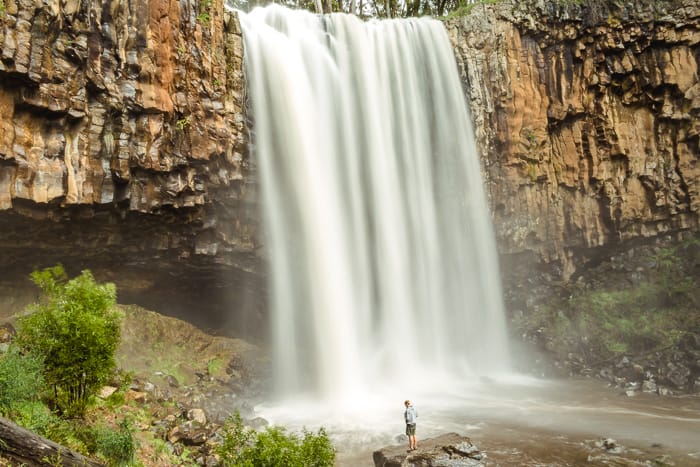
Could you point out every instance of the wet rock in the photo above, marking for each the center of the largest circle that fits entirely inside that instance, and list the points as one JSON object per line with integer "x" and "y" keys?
{"x": 538, "y": 78}
{"x": 259, "y": 423}
{"x": 449, "y": 450}
{"x": 623, "y": 363}
{"x": 650, "y": 386}
{"x": 609, "y": 445}
{"x": 677, "y": 374}
{"x": 634, "y": 386}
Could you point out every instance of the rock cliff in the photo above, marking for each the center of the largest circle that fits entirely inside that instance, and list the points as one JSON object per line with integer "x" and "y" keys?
{"x": 123, "y": 141}
{"x": 588, "y": 117}
{"x": 124, "y": 149}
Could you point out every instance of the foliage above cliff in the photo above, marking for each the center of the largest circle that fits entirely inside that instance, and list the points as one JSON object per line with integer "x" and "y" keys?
{"x": 600, "y": 9}
{"x": 368, "y": 8}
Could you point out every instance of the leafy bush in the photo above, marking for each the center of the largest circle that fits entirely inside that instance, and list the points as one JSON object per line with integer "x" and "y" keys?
{"x": 20, "y": 378}
{"x": 117, "y": 446}
{"x": 76, "y": 331}
{"x": 37, "y": 417}
{"x": 34, "y": 416}
{"x": 244, "y": 447}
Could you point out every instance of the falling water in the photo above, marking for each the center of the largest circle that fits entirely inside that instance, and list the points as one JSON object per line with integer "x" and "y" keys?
{"x": 383, "y": 262}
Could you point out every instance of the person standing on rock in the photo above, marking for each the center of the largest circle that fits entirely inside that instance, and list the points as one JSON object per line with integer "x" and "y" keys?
{"x": 410, "y": 416}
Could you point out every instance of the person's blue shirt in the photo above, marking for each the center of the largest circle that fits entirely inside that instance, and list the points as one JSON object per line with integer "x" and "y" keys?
{"x": 410, "y": 415}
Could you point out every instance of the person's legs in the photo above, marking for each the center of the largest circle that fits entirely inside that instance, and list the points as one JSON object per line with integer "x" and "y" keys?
{"x": 411, "y": 432}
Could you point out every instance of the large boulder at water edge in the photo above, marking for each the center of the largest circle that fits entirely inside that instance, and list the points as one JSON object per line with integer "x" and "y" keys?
{"x": 448, "y": 450}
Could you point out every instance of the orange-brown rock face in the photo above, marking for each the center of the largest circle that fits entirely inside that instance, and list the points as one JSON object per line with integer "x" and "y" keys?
{"x": 123, "y": 139}
{"x": 135, "y": 106}
{"x": 123, "y": 144}
{"x": 589, "y": 122}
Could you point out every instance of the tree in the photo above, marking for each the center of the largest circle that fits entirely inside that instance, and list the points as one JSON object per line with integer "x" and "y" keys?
{"x": 75, "y": 330}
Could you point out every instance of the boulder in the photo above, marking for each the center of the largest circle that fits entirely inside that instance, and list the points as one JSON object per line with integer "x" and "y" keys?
{"x": 197, "y": 416}
{"x": 106, "y": 391}
{"x": 448, "y": 450}
{"x": 7, "y": 332}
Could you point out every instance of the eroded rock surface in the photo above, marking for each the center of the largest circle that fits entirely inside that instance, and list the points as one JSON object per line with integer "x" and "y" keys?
{"x": 136, "y": 104}
{"x": 588, "y": 117}
{"x": 123, "y": 145}
{"x": 123, "y": 141}
{"x": 448, "y": 450}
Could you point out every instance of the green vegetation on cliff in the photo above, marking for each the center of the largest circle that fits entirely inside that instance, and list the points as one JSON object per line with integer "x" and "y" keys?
{"x": 600, "y": 322}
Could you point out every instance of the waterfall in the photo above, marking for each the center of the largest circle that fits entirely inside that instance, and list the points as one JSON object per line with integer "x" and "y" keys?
{"x": 382, "y": 256}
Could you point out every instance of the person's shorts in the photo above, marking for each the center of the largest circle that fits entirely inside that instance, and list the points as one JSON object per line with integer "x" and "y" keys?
{"x": 411, "y": 429}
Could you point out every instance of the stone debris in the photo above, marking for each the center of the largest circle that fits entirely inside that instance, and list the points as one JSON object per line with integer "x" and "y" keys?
{"x": 106, "y": 391}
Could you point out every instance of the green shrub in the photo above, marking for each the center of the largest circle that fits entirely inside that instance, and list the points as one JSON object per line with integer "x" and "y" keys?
{"x": 76, "y": 330}
{"x": 34, "y": 416}
{"x": 20, "y": 378}
{"x": 244, "y": 447}
{"x": 117, "y": 446}
{"x": 37, "y": 417}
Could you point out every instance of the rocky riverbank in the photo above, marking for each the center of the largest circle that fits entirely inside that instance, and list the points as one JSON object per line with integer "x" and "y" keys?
{"x": 175, "y": 387}
{"x": 537, "y": 449}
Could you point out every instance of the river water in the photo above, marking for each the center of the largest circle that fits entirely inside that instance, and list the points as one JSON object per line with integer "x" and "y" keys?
{"x": 520, "y": 421}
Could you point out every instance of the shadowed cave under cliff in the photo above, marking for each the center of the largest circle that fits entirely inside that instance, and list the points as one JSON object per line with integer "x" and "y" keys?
{"x": 222, "y": 294}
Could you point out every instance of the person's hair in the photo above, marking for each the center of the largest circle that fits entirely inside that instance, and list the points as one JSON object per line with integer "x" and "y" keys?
{"x": 407, "y": 402}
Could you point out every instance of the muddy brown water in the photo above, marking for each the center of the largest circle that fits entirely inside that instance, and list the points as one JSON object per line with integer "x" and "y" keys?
{"x": 531, "y": 423}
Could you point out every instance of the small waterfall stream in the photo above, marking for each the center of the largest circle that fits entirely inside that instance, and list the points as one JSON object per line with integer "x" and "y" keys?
{"x": 383, "y": 261}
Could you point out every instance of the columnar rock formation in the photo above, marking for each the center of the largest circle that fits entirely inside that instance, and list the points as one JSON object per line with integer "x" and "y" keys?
{"x": 589, "y": 120}
{"x": 123, "y": 141}
{"x": 122, "y": 135}
{"x": 132, "y": 106}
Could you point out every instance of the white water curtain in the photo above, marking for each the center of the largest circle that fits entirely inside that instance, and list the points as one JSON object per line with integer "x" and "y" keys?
{"x": 382, "y": 257}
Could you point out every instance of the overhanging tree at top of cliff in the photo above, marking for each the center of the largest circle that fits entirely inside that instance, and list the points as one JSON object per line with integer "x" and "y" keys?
{"x": 365, "y": 8}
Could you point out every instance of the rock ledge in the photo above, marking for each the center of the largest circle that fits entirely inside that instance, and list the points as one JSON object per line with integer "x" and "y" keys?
{"x": 448, "y": 450}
